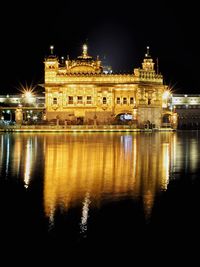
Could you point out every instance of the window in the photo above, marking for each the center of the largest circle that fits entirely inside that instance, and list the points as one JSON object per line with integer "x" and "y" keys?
{"x": 80, "y": 100}
{"x": 70, "y": 99}
{"x": 149, "y": 101}
{"x": 118, "y": 100}
{"x": 104, "y": 100}
{"x": 89, "y": 100}
{"x": 131, "y": 100}
{"x": 124, "y": 100}
{"x": 55, "y": 101}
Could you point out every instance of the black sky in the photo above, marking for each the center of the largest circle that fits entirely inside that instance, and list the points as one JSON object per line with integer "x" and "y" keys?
{"x": 120, "y": 31}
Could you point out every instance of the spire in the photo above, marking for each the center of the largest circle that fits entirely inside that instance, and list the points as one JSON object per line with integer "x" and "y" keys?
{"x": 147, "y": 54}
{"x": 148, "y": 64}
{"x": 85, "y": 51}
{"x": 51, "y": 49}
{"x": 62, "y": 60}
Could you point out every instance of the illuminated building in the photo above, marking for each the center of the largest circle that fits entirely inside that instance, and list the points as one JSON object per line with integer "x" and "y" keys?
{"x": 22, "y": 107}
{"x": 80, "y": 92}
{"x": 187, "y": 108}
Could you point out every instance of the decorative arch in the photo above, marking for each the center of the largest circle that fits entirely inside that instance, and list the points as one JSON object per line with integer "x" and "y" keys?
{"x": 121, "y": 112}
{"x": 166, "y": 117}
{"x": 82, "y": 69}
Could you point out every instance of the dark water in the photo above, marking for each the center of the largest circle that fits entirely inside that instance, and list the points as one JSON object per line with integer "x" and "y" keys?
{"x": 138, "y": 191}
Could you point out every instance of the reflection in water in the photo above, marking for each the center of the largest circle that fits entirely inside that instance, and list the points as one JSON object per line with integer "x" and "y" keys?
{"x": 19, "y": 156}
{"x": 90, "y": 168}
{"x": 7, "y": 155}
{"x": 187, "y": 151}
{"x": 166, "y": 159}
{"x": 84, "y": 217}
{"x": 28, "y": 163}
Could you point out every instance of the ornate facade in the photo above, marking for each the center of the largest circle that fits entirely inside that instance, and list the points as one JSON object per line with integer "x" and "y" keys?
{"x": 78, "y": 91}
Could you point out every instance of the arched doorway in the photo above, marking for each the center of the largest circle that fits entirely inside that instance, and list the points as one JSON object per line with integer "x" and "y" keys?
{"x": 166, "y": 118}
{"x": 124, "y": 118}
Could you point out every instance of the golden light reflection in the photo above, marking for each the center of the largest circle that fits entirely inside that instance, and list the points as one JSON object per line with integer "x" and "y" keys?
{"x": 24, "y": 157}
{"x": 28, "y": 163}
{"x": 17, "y": 156}
{"x": 166, "y": 160}
{"x": 7, "y": 154}
{"x": 194, "y": 155}
{"x": 85, "y": 211}
{"x": 88, "y": 168}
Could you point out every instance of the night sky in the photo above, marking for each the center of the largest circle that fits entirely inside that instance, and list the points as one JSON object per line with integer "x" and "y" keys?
{"x": 119, "y": 31}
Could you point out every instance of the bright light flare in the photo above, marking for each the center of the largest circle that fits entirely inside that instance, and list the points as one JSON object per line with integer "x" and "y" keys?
{"x": 27, "y": 91}
{"x": 166, "y": 94}
{"x": 28, "y": 94}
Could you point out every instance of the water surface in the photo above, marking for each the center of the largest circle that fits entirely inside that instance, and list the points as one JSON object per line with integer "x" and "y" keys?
{"x": 89, "y": 188}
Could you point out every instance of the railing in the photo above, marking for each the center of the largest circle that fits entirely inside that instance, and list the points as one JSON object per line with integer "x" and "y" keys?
{"x": 166, "y": 125}
{"x": 80, "y": 127}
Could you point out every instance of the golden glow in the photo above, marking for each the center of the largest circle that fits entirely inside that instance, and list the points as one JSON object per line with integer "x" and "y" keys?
{"x": 28, "y": 94}
{"x": 166, "y": 161}
{"x": 7, "y": 154}
{"x": 165, "y": 97}
{"x": 84, "y": 77}
{"x": 174, "y": 118}
{"x": 85, "y": 48}
{"x": 90, "y": 168}
{"x": 135, "y": 114}
{"x": 23, "y": 153}
{"x": 79, "y": 169}
{"x": 27, "y": 90}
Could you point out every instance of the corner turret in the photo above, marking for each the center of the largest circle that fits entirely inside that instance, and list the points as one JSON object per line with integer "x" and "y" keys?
{"x": 147, "y": 73}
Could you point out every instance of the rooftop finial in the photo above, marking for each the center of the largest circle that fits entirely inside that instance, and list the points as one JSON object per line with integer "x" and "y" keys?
{"x": 85, "y": 48}
{"x": 51, "y": 49}
{"x": 147, "y": 54}
{"x": 62, "y": 60}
